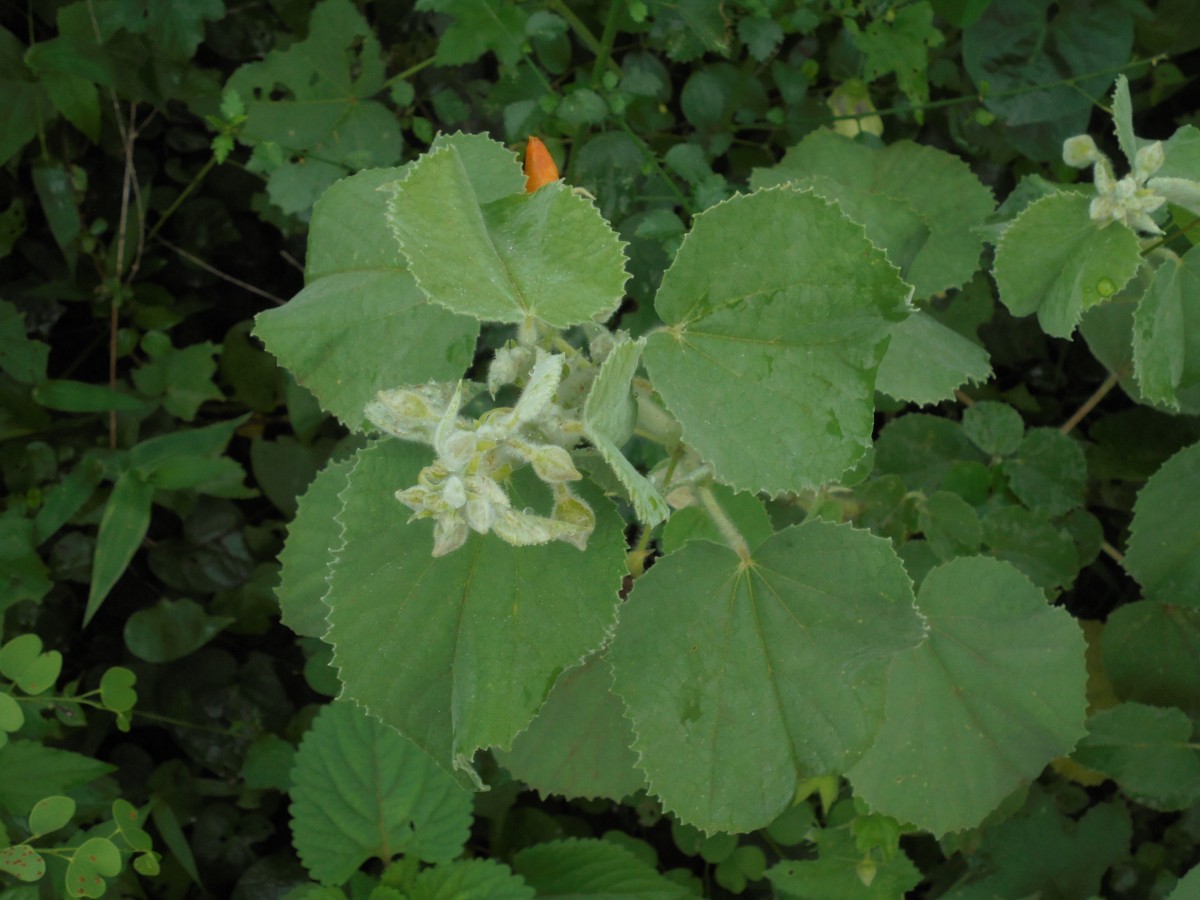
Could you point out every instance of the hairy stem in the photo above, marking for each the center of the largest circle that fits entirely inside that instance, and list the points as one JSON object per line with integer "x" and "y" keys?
{"x": 724, "y": 524}
{"x": 1090, "y": 403}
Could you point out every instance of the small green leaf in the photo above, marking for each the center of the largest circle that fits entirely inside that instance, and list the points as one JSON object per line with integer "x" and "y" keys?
{"x": 22, "y": 862}
{"x": 1048, "y": 472}
{"x": 1055, "y": 261}
{"x": 693, "y": 523}
{"x": 608, "y": 416}
{"x": 20, "y": 356}
{"x": 116, "y": 689}
{"x": 951, "y": 525}
{"x": 546, "y": 255}
{"x": 1152, "y": 654}
{"x": 94, "y": 860}
{"x": 1148, "y": 751}
{"x": 124, "y": 523}
{"x": 995, "y": 428}
{"x": 1165, "y": 533}
{"x": 23, "y": 662}
{"x": 50, "y": 814}
{"x": 1166, "y": 333}
{"x": 127, "y": 819}
{"x": 1000, "y": 685}
{"x": 79, "y": 396}
{"x": 171, "y": 629}
{"x": 11, "y": 715}
{"x": 926, "y": 361}
{"x": 360, "y": 789}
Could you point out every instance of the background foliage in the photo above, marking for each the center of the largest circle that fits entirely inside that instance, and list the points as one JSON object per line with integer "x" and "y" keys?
{"x": 164, "y": 734}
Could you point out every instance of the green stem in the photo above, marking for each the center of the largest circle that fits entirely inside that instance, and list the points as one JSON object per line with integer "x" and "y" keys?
{"x": 577, "y": 25}
{"x": 1090, "y": 403}
{"x": 607, "y": 39}
{"x": 410, "y": 71}
{"x": 724, "y": 524}
{"x": 183, "y": 195}
{"x": 977, "y": 98}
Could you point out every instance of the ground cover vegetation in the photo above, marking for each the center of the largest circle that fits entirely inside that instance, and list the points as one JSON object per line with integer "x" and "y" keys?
{"x": 786, "y": 484}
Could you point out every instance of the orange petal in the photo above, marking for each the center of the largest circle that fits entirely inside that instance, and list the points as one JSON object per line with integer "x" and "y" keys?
{"x": 539, "y": 165}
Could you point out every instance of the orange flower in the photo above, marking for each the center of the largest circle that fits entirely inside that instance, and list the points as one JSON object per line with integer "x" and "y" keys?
{"x": 539, "y": 166}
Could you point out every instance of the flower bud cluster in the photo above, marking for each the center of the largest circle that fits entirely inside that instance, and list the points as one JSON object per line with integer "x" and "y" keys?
{"x": 1131, "y": 199}
{"x": 462, "y": 490}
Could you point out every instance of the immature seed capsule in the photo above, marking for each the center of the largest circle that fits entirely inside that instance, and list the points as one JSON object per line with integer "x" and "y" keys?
{"x": 539, "y": 165}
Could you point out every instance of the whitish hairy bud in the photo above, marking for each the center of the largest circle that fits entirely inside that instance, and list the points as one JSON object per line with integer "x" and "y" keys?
{"x": 410, "y": 412}
{"x": 1080, "y": 151}
{"x": 539, "y": 392}
{"x": 509, "y": 365}
{"x": 522, "y": 529}
{"x": 448, "y": 535}
{"x": 553, "y": 464}
{"x": 1149, "y": 160}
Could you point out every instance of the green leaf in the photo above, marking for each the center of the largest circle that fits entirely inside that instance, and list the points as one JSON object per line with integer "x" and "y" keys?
{"x": 57, "y": 195}
{"x": 94, "y": 860}
{"x": 50, "y": 814}
{"x": 608, "y": 416}
{"x": 1122, "y": 110}
{"x": 496, "y": 623}
{"x": 777, "y": 310}
{"x": 308, "y": 551}
{"x": 1152, "y": 654}
{"x": 1048, "y": 472}
{"x": 1042, "y": 851}
{"x": 951, "y": 525}
{"x": 1187, "y": 887}
{"x": 1166, "y": 331}
{"x": 116, "y": 689}
{"x": 479, "y": 26}
{"x": 171, "y": 629}
{"x": 166, "y": 821}
{"x": 182, "y": 377}
{"x": 45, "y": 771}
{"x": 898, "y": 42}
{"x": 124, "y": 523}
{"x": 546, "y": 255}
{"x": 578, "y": 745}
{"x": 1042, "y": 550}
{"x": 364, "y": 308}
{"x": 20, "y": 356}
{"x": 25, "y": 575}
{"x": 592, "y": 868}
{"x": 79, "y": 396}
{"x": 1055, "y": 261}
{"x": 1164, "y": 541}
{"x": 995, "y": 428}
{"x": 360, "y": 790}
{"x": 926, "y": 362}
{"x": 77, "y": 99}
{"x": 326, "y": 81}
{"x": 470, "y": 878}
{"x": 12, "y": 717}
{"x": 22, "y": 862}
{"x": 938, "y": 187}
{"x": 1041, "y": 67}
{"x": 766, "y": 669}
{"x": 65, "y": 499}
{"x": 1148, "y": 751}
{"x": 923, "y": 450}
{"x": 999, "y": 683}
{"x": 23, "y": 662}
{"x": 842, "y": 871}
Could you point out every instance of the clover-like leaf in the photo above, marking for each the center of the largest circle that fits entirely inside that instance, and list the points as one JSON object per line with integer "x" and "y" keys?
{"x": 22, "y": 862}
{"x": 50, "y": 814}
{"x": 995, "y": 692}
{"x": 95, "y": 860}
{"x": 116, "y": 689}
